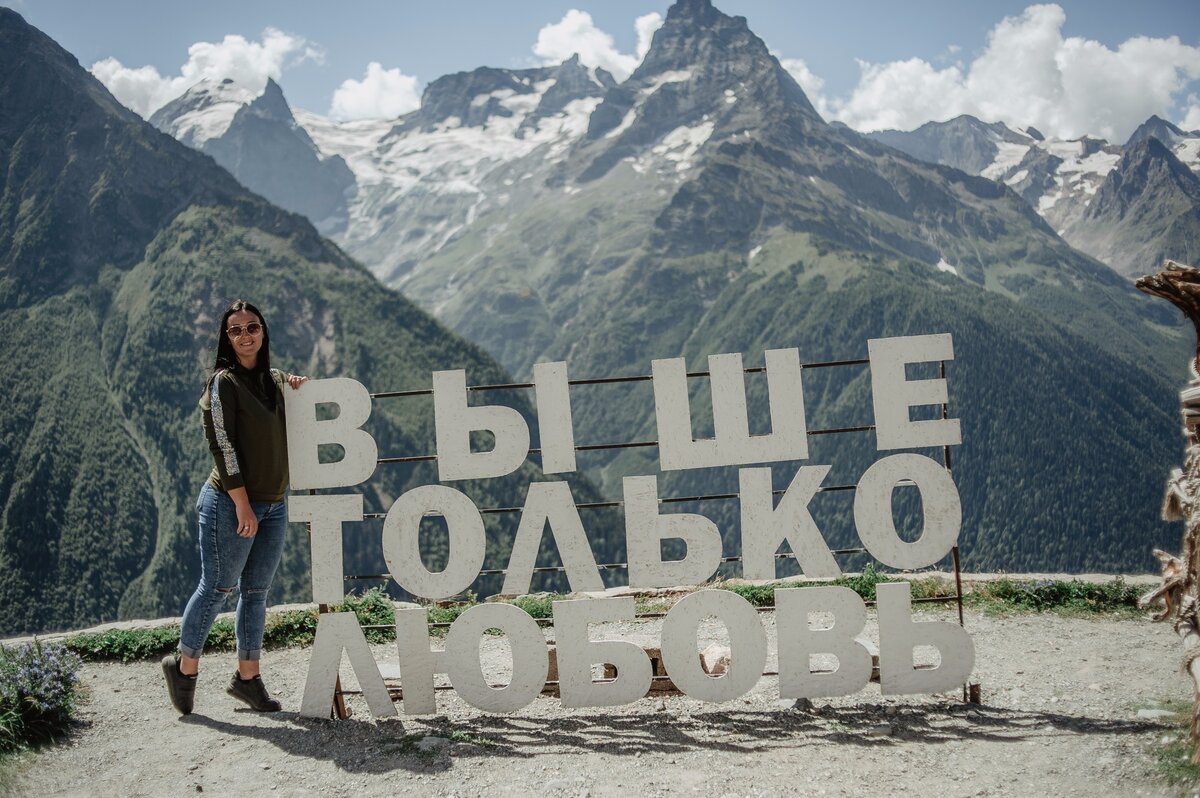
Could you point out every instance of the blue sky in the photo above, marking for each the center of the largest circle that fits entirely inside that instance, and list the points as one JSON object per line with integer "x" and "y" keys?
{"x": 858, "y": 56}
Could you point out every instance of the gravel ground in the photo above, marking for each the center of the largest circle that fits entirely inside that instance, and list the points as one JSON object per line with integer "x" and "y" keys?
{"x": 1060, "y": 717}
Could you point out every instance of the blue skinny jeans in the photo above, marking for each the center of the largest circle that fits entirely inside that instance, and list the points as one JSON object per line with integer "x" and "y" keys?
{"x": 228, "y": 561}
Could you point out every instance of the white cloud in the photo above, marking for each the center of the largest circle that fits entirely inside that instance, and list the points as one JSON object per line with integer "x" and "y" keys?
{"x": 1029, "y": 74}
{"x": 576, "y": 32}
{"x": 381, "y": 94}
{"x": 1192, "y": 120}
{"x": 248, "y": 63}
{"x": 646, "y": 25}
{"x": 813, "y": 85}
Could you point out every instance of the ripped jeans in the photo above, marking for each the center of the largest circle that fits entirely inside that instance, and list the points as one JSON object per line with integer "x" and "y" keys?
{"x": 228, "y": 561}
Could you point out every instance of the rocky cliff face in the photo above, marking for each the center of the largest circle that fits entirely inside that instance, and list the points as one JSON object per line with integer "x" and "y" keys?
{"x": 258, "y": 141}
{"x": 1147, "y": 210}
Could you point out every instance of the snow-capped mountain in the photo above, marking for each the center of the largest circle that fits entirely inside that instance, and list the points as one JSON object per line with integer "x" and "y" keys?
{"x": 205, "y": 111}
{"x": 1060, "y": 179}
{"x": 1147, "y": 210}
{"x": 477, "y": 141}
{"x": 257, "y": 139}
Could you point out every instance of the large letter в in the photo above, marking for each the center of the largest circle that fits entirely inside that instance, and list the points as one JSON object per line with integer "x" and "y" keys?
{"x": 765, "y": 527}
{"x": 893, "y": 394}
{"x": 454, "y": 421}
{"x": 305, "y": 434}
{"x": 402, "y": 547}
{"x": 899, "y": 635}
{"x": 577, "y": 653}
{"x": 940, "y": 506}
{"x": 326, "y": 515}
{"x": 645, "y": 530}
{"x": 747, "y": 645}
{"x": 338, "y": 632}
{"x": 798, "y": 642}
{"x": 732, "y": 443}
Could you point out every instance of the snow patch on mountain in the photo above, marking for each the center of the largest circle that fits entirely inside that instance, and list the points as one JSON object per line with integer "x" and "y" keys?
{"x": 681, "y": 144}
{"x": 211, "y": 106}
{"x": 672, "y": 76}
{"x": 447, "y": 173}
{"x": 945, "y": 266}
{"x": 1188, "y": 151}
{"x": 1008, "y": 156}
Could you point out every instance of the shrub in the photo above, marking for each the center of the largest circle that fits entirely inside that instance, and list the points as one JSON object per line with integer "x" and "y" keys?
{"x": 38, "y": 691}
{"x": 1057, "y": 595}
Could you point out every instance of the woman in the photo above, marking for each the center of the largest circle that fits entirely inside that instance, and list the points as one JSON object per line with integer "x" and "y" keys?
{"x": 241, "y": 509}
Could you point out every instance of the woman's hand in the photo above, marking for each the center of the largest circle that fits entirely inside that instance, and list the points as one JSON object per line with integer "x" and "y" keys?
{"x": 295, "y": 380}
{"x": 246, "y": 519}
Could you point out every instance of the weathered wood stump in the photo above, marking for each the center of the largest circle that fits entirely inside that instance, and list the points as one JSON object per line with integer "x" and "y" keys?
{"x": 1180, "y": 588}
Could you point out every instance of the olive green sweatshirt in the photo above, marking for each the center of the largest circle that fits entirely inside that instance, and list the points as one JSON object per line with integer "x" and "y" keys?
{"x": 246, "y": 432}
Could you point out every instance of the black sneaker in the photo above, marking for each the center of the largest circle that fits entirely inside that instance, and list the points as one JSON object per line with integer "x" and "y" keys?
{"x": 253, "y": 692}
{"x": 181, "y": 688}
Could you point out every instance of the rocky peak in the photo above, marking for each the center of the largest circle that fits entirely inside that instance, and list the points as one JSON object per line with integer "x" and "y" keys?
{"x": 271, "y": 104}
{"x": 1148, "y": 171}
{"x": 203, "y": 112}
{"x": 572, "y": 81}
{"x": 1158, "y": 128}
{"x": 473, "y": 97}
{"x": 705, "y": 71}
{"x": 964, "y": 142}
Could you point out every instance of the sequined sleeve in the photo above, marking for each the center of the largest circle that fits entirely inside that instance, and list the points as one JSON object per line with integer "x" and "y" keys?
{"x": 219, "y": 428}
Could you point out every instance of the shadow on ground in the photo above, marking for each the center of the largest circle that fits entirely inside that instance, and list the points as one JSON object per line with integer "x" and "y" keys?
{"x": 370, "y": 746}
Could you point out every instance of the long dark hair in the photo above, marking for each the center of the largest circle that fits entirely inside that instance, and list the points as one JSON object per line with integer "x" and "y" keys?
{"x": 227, "y": 359}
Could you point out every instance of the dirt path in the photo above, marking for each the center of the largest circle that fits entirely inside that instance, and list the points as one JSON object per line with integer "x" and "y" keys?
{"x": 1060, "y": 718}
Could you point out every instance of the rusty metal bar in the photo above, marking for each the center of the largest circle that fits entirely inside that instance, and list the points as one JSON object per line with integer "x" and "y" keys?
{"x": 611, "y": 380}
{"x": 958, "y": 592}
{"x": 597, "y": 447}
{"x": 545, "y": 569}
{"x": 669, "y": 500}
{"x": 642, "y": 616}
{"x": 338, "y": 710}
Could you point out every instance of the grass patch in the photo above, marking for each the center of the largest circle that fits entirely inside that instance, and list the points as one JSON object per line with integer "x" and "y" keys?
{"x": 1063, "y": 597}
{"x": 644, "y": 606}
{"x": 864, "y": 584}
{"x": 1173, "y": 759}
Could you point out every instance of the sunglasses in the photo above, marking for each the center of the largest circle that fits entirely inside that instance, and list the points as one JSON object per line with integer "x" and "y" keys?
{"x": 236, "y": 330}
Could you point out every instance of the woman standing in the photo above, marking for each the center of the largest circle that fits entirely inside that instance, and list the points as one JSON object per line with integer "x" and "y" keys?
{"x": 242, "y": 509}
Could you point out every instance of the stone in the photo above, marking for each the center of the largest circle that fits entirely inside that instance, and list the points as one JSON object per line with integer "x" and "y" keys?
{"x": 428, "y": 745}
{"x": 715, "y": 659}
{"x": 1154, "y": 714}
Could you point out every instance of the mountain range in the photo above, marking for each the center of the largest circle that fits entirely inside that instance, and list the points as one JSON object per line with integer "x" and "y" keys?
{"x": 1130, "y": 206}
{"x": 702, "y": 205}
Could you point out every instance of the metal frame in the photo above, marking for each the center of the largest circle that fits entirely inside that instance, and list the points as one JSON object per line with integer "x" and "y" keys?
{"x": 339, "y": 709}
